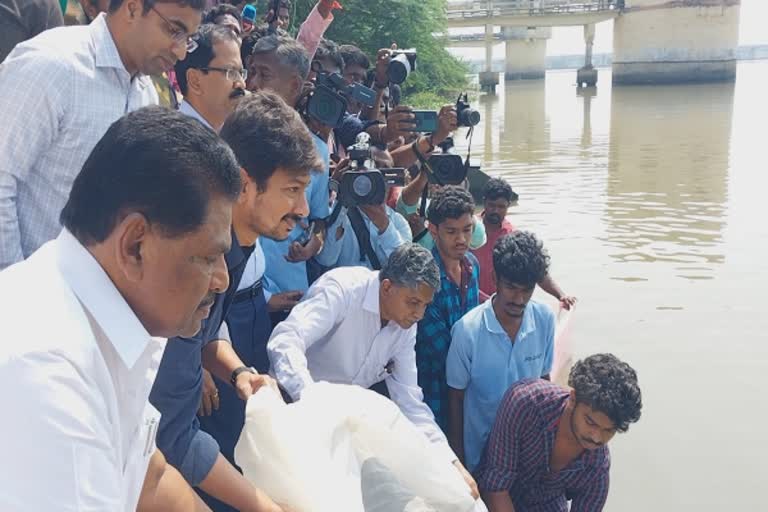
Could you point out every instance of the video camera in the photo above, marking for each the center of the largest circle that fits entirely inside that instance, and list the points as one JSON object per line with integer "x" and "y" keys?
{"x": 401, "y": 63}
{"x": 328, "y": 102}
{"x": 363, "y": 184}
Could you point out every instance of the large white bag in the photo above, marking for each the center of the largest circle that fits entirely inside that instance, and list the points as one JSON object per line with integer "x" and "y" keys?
{"x": 342, "y": 446}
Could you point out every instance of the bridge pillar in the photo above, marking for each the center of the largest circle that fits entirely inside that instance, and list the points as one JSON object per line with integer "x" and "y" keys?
{"x": 587, "y": 75}
{"x": 488, "y": 78}
{"x": 526, "y": 52}
{"x": 669, "y": 42}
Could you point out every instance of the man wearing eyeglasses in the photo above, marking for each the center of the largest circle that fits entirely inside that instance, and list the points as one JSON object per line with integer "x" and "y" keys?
{"x": 60, "y": 91}
{"x": 211, "y": 78}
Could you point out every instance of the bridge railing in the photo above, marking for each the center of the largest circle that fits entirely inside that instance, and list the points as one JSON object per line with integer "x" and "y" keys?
{"x": 488, "y": 8}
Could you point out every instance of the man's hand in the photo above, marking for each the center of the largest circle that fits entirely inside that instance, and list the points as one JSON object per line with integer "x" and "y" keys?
{"x": 417, "y": 223}
{"x": 209, "y": 401}
{"x": 467, "y": 478}
{"x": 326, "y": 7}
{"x": 383, "y": 57}
{"x": 378, "y": 215}
{"x": 447, "y": 123}
{"x": 298, "y": 252}
{"x": 400, "y": 123}
{"x": 339, "y": 168}
{"x": 284, "y": 301}
{"x": 567, "y": 301}
{"x": 248, "y": 383}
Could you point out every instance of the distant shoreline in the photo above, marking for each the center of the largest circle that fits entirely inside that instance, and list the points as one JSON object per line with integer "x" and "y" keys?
{"x": 602, "y": 60}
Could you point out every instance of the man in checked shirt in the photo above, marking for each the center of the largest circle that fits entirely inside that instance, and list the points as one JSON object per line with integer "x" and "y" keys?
{"x": 549, "y": 444}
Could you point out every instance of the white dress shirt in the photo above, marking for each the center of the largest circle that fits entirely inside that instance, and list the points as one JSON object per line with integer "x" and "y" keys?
{"x": 334, "y": 334}
{"x": 59, "y": 92}
{"x": 76, "y": 368}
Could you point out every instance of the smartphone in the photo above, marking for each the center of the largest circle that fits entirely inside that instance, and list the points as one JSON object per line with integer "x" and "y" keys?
{"x": 306, "y": 236}
{"x": 425, "y": 122}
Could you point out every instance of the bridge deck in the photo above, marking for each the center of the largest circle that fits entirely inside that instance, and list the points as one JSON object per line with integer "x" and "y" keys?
{"x": 540, "y": 13}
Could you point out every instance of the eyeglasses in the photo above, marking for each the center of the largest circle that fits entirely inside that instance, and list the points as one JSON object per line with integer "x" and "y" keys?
{"x": 232, "y": 75}
{"x": 176, "y": 34}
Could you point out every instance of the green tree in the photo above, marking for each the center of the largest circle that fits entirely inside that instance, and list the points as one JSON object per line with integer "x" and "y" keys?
{"x": 374, "y": 24}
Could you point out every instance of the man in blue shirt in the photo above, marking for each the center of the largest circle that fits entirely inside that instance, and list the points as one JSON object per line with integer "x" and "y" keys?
{"x": 507, "y": 338}
{"x": 385, "y": 229}
{"x": 451, "y": 224}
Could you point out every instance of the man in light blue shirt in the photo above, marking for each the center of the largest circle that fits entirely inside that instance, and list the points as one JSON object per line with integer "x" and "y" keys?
{"x": 387, "y": 230}
{"x": 500, "y": 342}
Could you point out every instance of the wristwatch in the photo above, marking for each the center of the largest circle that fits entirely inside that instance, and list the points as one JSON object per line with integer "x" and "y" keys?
{"x": 238, "y": 371}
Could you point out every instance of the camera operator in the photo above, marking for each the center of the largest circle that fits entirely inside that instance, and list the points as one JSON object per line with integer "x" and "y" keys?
{"x": 409, "y": 203}
{"x": 384, "y": 229}
{"x": 211, "y": 78}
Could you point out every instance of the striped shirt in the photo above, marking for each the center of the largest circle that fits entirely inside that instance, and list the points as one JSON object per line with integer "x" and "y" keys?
{"x": 433, "y": 338}
{"x": 59, "y": 92}
{"x": 516, "y": 458}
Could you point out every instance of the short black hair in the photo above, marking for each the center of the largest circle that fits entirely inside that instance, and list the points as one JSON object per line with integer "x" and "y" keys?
{"x": 352, "y": 55}
{"x": 198, "y": 5}
{"x": 608, "y": 385}
{"x": 328, "y": 49}
{"x": 155, "y": 161}
{"x": 266, "y": 134}
{"x": 206, "y": 37}
{"x": 520, "y": 258}
{"x": 497, "y": 188}
{"x": 215, "y": 12}
{"x": 288, "y": 52}
{"x": 450, "y": 202}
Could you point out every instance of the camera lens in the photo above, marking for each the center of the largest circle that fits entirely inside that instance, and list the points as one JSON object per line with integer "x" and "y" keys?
{"x": 362, "y": 186}
{"x": 399, "y": 67}
{"x": 469, "y": 117}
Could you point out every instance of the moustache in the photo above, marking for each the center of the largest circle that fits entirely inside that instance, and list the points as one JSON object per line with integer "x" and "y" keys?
{"x": 238, "y": 93}
{"x": 208, "y": 301}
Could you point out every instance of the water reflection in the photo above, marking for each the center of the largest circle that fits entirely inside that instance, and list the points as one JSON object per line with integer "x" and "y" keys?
{"x": 668, "y": 176}
{"x": 525, "y": 134}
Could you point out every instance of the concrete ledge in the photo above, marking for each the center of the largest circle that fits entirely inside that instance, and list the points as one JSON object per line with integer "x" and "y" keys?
{"x": 524, "y": 75}
{"x": 632, "y": 73}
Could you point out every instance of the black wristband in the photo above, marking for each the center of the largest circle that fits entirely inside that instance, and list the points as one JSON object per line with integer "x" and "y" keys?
{"x": 238, "y": 371}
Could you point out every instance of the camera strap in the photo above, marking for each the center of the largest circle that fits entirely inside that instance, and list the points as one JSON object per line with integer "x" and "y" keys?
{"x": 363, "y": 237}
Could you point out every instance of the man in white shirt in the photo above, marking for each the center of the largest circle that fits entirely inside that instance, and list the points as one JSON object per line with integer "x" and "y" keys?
{"x": 212, "y": 78}
{"x": 357, "y": 326}
{"x": 60, "y": 91}
{"x": 146, "y": 228}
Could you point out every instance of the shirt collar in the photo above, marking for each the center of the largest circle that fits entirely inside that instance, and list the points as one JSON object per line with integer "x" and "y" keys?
{"x": 187, "y": 109}
{"x": 101, "y": 298}
{"x": 466, "y": 263}
{"x": 371, "y": 299}
{"x": 237, "y": 255}
{"x": 527, "y": 326}
{"x": 106, "y": 54}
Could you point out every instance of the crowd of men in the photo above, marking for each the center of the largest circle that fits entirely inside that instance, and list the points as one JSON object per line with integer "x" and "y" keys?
{"x": 177, "y": 211}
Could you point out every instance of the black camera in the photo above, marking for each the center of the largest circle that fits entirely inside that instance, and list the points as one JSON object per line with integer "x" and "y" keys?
{"x": 401, "y": 63}
{"x": 363, "y": 184}
{"x": 328, "y": 102}
{"x": 467, "y": 116}
{"x": 447, "y": 167}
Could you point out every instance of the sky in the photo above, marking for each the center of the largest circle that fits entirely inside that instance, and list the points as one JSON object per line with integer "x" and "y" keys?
{"x": 570, "y": 40}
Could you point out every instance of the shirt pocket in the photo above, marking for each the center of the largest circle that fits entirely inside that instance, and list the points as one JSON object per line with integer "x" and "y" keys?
{"x": 140, "y": 450}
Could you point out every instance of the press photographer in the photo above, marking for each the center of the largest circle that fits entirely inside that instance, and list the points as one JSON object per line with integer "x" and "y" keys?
{"x": 363, "y": 231}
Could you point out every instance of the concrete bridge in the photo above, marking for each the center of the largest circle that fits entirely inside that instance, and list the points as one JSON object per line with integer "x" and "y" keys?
{"x": 655, "y": 41}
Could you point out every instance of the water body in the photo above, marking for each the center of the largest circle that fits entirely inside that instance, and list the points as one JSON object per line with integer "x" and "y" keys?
{"x": 652, "y": 202}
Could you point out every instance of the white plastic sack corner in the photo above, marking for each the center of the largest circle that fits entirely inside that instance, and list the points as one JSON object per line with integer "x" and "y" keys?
{"x": 344, "y": 448}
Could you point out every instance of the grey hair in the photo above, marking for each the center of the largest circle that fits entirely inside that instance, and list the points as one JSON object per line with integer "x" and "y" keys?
{"x": 411, "y": 265}
{"x": 288, "y": 51}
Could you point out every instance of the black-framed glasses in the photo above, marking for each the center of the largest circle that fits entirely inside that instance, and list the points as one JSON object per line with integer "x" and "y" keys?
{"x": 178, "y": 35}
{"x": 232, "y": 75}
